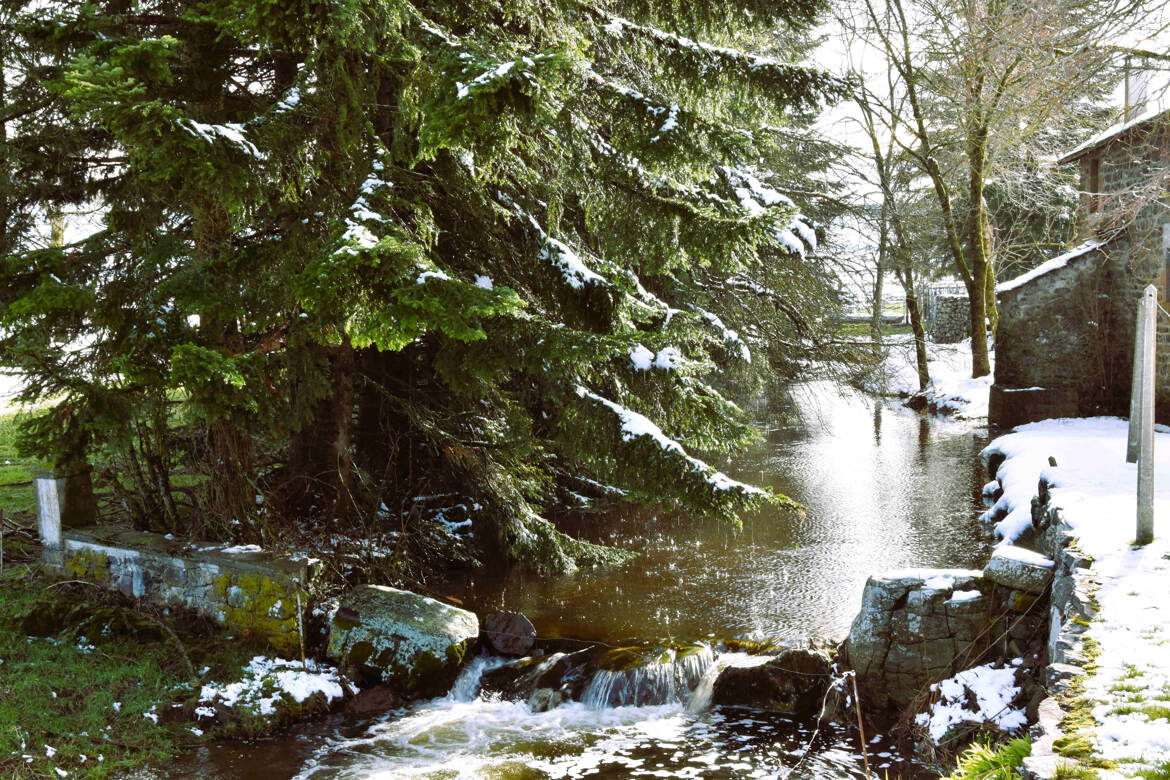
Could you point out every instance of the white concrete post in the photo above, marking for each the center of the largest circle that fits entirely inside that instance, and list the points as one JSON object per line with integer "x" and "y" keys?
{"x": 1145, "y": 485}
{"x": 49, "y": 493}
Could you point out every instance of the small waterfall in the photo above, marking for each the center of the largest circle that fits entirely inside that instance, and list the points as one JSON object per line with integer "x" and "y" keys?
{"x": 700, "y": 698}
{"x": 466, "y": 686}
{"x": 668, "y": 678}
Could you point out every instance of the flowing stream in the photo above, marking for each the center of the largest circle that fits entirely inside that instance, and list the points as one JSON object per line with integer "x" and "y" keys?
{"x": 883, "y": 488}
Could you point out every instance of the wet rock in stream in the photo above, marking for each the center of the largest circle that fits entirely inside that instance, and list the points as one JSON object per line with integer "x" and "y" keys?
{"x": 793, "y": 683}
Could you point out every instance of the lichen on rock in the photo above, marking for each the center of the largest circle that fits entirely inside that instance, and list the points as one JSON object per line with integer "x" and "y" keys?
{"x": 412, "y": 643}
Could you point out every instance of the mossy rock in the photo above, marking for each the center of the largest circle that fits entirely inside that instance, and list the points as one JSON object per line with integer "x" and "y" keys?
{"x": 414, "y": 644}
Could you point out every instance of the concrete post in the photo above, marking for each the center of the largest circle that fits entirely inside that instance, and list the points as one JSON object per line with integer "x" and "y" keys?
{"x": 1145, "y": 486}
{"x": 50, "y": 492}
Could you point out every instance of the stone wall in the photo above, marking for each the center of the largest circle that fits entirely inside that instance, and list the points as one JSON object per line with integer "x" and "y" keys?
{"x": 952, "y": 319}
{"x": 1071, "y": 608}
{"x": 1051, "y": 343}
{"x": 251, "y": 592}
{"x": 918, "y": 627}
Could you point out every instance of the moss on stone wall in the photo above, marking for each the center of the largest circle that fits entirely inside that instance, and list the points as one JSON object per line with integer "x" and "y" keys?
{"x": 260, "y": 606}
{"x": 89, "y": 565}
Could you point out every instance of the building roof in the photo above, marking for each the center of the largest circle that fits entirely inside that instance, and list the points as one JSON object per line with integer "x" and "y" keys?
{"x": 1149, "y": 116}
{"x": 1048, "y": 267}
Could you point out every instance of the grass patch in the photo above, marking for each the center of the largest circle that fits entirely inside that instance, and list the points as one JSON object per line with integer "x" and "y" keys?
{"x": 861, "y": 329}
{"x": 1074, "y": 772}
{"x": 1127, "y": 688}
{"x": 17, "y": 501}
{"x": 1153, "y": 711}
{"x": 76, "y": 697}
{"x": 984, "y": 761}
{"x": 1160, "y": 772}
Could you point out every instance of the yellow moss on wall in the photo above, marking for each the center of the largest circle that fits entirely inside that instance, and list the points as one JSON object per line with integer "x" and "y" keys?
{"x": 263, "y": 608}
{"x": 89, "y": 564}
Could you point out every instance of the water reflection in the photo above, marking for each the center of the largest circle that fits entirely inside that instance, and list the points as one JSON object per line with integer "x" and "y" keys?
{"x": 883, "y": 488}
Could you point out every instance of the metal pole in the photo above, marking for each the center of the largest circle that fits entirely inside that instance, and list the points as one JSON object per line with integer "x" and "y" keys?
{"x": 1145, "y": 486}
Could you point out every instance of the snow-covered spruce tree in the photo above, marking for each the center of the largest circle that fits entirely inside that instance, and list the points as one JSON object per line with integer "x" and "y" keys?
{"x": 359, "y": 252}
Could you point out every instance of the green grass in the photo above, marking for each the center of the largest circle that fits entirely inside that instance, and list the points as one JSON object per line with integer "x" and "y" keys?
{"x": 58, "y": 693}
{"x": 1160, "y": 772}
{"x": 983, "y": 761}
{"x": 861, "y": 329}
{"x": 1071, "y": 772}
{"x": 1153, "y": 711}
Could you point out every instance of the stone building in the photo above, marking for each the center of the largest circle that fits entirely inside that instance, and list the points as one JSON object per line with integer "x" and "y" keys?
{"x": 1064, "y": 345}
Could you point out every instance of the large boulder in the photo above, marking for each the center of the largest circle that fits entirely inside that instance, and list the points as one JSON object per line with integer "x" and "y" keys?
{"x": 912, "y": 627}
{"x": 509, "y": 633}
{"x": 1019, "y": 569}
{"x": 793, "y": 682}
{"x": 411, "y": 643}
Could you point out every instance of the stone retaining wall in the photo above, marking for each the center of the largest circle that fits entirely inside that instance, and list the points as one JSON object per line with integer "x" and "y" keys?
{"x": 952, "y": 319}
{"x": 251, "y": 592}
{"x": 1072, "y": 607}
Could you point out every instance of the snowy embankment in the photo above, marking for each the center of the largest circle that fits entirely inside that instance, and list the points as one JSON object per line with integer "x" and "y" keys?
{"x": 951, "y": 391}
{"x": 1095, "y": 489}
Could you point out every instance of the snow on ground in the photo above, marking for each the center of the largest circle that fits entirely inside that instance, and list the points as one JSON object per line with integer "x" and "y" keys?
{"x": 266, "y": 682}
{"x": 1096, "y": 488}
{"x": 951, "y": 391}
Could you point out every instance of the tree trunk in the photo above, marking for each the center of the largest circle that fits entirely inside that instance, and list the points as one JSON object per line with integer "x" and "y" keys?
{"x": 321, "y": 454}
{"x": 977, "y": 284}
{"x": 875, "y": 323}
{"x": 906, "y": 276}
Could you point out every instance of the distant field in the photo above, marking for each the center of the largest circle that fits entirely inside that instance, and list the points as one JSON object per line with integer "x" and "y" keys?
{"x": 854, "y": 328}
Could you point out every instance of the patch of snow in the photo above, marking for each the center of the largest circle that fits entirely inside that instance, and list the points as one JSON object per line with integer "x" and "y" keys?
{"x": 239, "y": 549}
{"x": 436, "y": 274}
{"x": 961, "y": 596}
{"x": 993, "y": 689}
{"x": 952, "y": 390}
{"x": 232, "y": 132}
{"x": 266, "y": 680}
{"x": 1048, "y": 267}
{"x": 641, "y": 357}
{"x": 484, "y": 282}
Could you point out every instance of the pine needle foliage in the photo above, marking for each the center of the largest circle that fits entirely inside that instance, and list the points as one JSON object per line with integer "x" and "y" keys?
{"x": 352, "y": 252}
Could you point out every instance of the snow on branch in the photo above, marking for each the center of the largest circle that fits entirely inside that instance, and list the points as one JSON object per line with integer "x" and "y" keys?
{"x": 729, "y": 335}
{"x": 232, "y": 132}
{"x": 783, "y": 74}
{"x": 358, "y": 237}
{"x": 617, "y": 26}
{"x": 574, "y": 271}
{"x": 635, "y": 425}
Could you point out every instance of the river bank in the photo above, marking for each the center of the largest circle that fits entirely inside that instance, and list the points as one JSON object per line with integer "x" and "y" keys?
{"x": 1111, "y": 717}
{"x": 877, "y": 480}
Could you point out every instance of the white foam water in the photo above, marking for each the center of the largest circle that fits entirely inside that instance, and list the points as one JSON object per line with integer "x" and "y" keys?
{"x": 470, "y": 735}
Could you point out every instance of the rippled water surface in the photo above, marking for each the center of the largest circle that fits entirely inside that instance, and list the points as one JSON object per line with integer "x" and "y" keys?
{"x": 883, "y": 488}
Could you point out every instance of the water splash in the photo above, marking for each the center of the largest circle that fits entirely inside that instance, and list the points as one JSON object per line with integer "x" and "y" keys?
{"x": 666, "y": 680}
{"x": 700, "y": 698}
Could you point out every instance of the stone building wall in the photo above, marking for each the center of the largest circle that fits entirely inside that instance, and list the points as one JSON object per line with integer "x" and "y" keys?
{"x": 1051, "y": 341}
{"x": 1132, "y": 206}
{"x": 1065, "y": 339}
{"x": 952, "y": 319}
